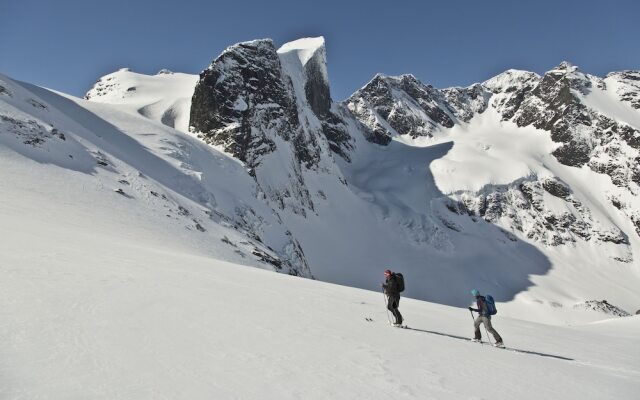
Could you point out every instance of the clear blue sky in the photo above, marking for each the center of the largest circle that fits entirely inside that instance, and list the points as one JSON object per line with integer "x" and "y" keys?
{"x": 67, "y": 44}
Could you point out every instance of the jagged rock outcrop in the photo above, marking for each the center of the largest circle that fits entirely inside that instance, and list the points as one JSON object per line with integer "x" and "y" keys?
{"x": 627, "y": 86}
{"x": 244, "y": 103}
{"x": 588, "y": 136}
{"x": 305, "y": 61}
{"x": 557, "y": 102}
{"x": 602, "y": 307}
{"x": 510, "y": 89}
{"x": 248, "y": 99}
{"x": 392, "y": 106}
{"x": 272, "y": 110}
{"x": 525, "y": 206}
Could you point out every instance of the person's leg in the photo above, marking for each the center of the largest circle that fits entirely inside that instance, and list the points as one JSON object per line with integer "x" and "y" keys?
{"x": 476, "y": 325}
{"x": 487, "y": 324}
{"x": 396, "y": 313}
{"x": 392, "y": 305}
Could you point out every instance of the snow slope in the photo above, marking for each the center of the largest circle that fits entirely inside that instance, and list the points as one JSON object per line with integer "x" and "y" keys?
{"x": 164, "y": 97}
{"x": 137, "y": 174}
{"x": 489, "y": 153}
{"x": 89, "y": 314}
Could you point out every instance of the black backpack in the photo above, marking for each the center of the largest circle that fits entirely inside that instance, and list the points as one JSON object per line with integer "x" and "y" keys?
{"x": 399, "y": 281}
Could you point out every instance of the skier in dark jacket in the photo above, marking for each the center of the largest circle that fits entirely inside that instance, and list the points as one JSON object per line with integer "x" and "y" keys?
{"x": 483, "y": 318}
{"x": 392, "y": 290}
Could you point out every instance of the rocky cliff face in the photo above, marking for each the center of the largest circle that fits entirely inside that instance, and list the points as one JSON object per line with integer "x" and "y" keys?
{"x": 244, "y": 103}
{"x": 272, "y": 110}
{"x": 394, "y": 106}
{"x": 257, "y": 101}
{"x": 587, "y": 135}
{"x": 563, "y": 102}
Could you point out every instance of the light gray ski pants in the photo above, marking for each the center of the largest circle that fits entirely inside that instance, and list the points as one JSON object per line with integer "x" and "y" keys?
{"x": 487, "y": 324}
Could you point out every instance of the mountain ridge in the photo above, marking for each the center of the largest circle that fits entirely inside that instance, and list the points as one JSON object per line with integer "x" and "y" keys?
{"x": 431, "y": 181}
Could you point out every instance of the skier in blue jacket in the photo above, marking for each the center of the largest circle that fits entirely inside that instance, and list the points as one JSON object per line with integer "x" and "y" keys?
{"x": 483, "y": 318}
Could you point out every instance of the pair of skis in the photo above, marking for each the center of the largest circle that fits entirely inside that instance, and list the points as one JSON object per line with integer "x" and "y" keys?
{"x": 404, "y": 326}
{"x": 500, "y": 346}
{"x": 389, "y": 319}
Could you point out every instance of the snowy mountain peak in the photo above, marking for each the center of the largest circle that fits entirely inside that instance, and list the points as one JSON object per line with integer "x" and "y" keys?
{"x": 244, "y": 87}
{"x": 392, "y": 106}
{"x": 511, "y": 80}
{"x": 264, "y": 46}
{"x": 626, "y": 84}
{"x": 564, "y": 67}
{"x": 164, "y": 97}
{"x": 305, "y": 62}
{"x": 305, "y": 48}
{"x": 564, "y": 77}
{"x": 394, "y": 79}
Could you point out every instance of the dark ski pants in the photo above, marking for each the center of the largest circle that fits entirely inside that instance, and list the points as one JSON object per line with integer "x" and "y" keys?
{"x": 392, "y": 304}
{"x": 487, "y": 324}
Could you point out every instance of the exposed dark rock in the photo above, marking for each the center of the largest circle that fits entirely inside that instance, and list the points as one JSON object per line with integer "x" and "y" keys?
{"x": 635, "y": 219}
{"x": 267, "y": 258}
{"x": 242, "y": 102}
{"x": 337, "y": 134}
{"x": 629, "y": 88}
{"x": 603, "y": 307}
{"x": 29, "y": 131}
{"x": 616, "y": 203}
{"x": 37, "y": 104}
{"x": 556, "y": 188}
{"x": 317, "y": 88}
{"x": 573, "y": 154}
{"x": 404, "y": 106}
{"x": 5, "y": 92}
{"x": 511, "y": 88}
{"x": 465, "y": 103}
{"x": 630, "y": 135}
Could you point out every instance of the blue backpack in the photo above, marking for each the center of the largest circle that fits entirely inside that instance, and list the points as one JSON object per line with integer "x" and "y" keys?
{"x": 491, "y": 305}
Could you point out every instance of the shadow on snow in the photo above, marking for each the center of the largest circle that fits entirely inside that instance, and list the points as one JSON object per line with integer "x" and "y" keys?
{"x": 535, "y": 353}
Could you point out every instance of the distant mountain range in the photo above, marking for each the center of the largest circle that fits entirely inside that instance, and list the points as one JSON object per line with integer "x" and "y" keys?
{"x": 525, "y": 186}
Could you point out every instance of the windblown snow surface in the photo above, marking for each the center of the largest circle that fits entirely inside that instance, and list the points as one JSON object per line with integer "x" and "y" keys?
{"x": 123, "y": 276}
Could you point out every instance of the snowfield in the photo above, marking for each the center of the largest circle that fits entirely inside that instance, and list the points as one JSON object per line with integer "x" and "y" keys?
{"x": 87, "y": 313}
{"x": 126, "y": 243}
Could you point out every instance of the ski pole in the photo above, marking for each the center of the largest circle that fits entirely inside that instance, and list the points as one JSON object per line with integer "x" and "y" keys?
{"x": 487, "y": 332}
{"x": 386, "y": 302}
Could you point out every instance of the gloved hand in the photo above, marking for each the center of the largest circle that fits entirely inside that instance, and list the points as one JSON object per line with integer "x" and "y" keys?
{"x": 470, "y": 308}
